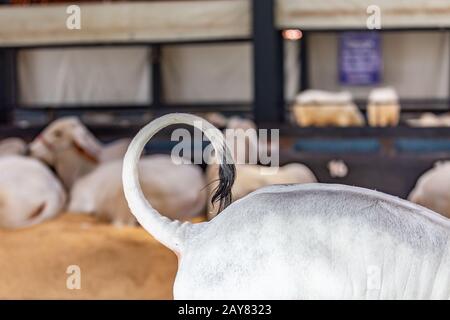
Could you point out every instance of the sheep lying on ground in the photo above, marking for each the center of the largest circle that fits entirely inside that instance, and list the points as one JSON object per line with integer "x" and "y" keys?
{"x": 114, "y": 150}
{"x": 40, "y": 262}
{"x": 429, "y": 119}
{"x": 176, "y": 190}
{"x": 29, "y": 192}
{"x": 68, "y": 146}
{"x": 308, "y": 241}
{"x": 383, "y": 108}
{"x": 322, "y": 108}
{"x": 11, "y": 146}
{"x": 432, "y": 190}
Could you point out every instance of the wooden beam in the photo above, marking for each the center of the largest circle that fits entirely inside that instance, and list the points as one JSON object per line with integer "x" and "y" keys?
{"x": 126, "y": 22}
{"x": 344, "y": 14}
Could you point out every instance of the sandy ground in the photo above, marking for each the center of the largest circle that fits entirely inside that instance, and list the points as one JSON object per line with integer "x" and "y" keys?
{"x": 124, "y": 263}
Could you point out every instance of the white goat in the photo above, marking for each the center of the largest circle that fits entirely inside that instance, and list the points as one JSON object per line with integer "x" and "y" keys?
{"x": 13, "y": 146}
{"x": 29, "y": 192}
{"x": 309, "y": 241}
{"x": 175, "y": 190}
{"x": 432, "y": 190}
{"x": 68, "y": 146}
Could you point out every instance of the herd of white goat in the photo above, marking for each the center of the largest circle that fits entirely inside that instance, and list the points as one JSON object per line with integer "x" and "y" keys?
{"x": 66, "y": 168}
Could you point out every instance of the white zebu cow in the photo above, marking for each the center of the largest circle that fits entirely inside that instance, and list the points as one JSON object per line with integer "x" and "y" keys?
{"x": 29, "y": 192}
{"x": 432, "y": 190}
{"x": 177, "y": 191}
{"x": 310, "y": 241}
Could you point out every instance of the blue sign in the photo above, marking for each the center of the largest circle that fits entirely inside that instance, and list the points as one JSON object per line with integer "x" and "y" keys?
{"x": 360, "y": 60}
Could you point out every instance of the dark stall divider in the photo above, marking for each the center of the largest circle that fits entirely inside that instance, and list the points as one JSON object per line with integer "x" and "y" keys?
{"x": 8, "y": 96}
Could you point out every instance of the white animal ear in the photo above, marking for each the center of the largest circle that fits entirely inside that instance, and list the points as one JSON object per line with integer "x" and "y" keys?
{"x": 439, "y": 163}
{"x": 86, "y": 144}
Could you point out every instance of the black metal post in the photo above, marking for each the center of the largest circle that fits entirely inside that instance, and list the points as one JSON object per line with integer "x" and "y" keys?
{"x": 448, "y": 73}
{"x": 157, "y": 91}
{"x": 267, "y": 64}
{"x": 304, "y": 68}
{"x": 7, "y": 84}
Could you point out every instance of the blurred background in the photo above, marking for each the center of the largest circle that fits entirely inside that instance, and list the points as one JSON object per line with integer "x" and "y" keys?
{"x": 360, "y": 92}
